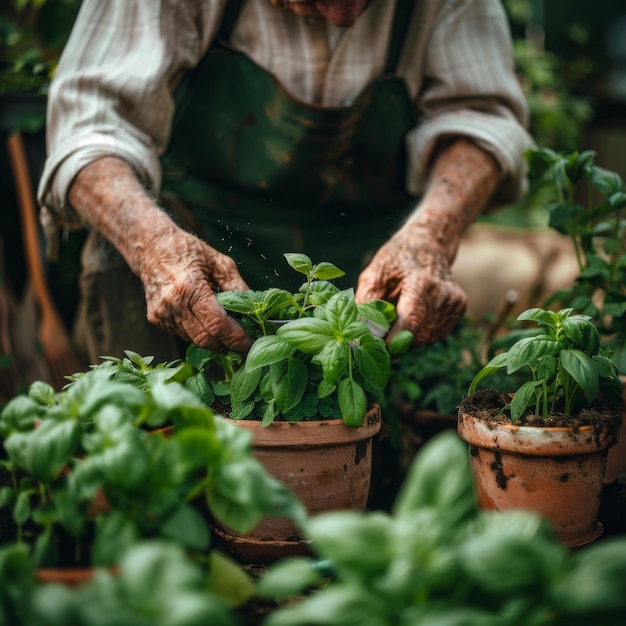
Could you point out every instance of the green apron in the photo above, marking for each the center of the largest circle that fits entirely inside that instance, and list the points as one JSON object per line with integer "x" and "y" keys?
{"x": 259, "y": 173}
{"x": 265, "y": 173}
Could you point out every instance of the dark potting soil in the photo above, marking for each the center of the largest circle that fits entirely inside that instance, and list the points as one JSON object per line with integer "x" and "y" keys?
{"x": 492, "y": 406}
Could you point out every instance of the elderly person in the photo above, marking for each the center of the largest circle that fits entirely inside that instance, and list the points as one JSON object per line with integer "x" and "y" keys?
{"x": 199, "y": 140}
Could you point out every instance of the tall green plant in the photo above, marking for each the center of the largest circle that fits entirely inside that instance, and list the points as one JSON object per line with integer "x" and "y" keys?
{"x": 568, "y": 369}
{"x": 588, "y": 205}
{"x": 316, "y": 352}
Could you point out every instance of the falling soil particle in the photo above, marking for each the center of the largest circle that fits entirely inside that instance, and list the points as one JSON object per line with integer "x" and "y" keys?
{"x": 564, "y": 477}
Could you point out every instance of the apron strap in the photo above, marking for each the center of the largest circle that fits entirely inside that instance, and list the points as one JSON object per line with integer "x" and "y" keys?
{"x": 229, "y": 19}
{"x": 400, "y": 25}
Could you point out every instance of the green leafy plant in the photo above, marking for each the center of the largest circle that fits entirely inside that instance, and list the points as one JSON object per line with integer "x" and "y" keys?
{"x": 437, "y": 559}
{"x": 32, "y": 35}
{"x": 569, "y": 370}
{"x": 588, "y": 204}
{"x": 317, "y": 353}
{"x": 436, "y": 376}
{"x": 156, "y": 583}
{"x": 63, "y": 449}
{"x": 558, "y": 111}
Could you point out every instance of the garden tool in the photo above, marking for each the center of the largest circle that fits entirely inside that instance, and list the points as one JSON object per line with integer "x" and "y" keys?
{"x": 52, "y": 334}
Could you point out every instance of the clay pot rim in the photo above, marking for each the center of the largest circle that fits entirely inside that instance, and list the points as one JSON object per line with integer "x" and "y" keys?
{"x": 70, "y": 576}
{"x": 534, "y": 440}
{"x": 312, "y": 433}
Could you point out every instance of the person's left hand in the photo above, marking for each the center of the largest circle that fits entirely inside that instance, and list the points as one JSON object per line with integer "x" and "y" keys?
{"x": 411, "y": 270}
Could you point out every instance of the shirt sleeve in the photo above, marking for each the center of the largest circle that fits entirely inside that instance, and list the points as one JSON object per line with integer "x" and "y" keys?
{"x": 470, "y": 89}
{"x": 112, "y": 92}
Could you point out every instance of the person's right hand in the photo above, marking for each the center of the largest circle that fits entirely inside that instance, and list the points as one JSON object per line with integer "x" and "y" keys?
{"x": 180, "y": 273}
{"x": 181, "y": 276}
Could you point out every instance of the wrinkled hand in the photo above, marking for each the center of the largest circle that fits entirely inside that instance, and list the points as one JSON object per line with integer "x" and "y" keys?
{"x": 180, "y": 279}
{"x": 411, "y": 270}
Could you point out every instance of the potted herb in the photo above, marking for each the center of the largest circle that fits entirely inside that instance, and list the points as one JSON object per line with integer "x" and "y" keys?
{"x": 588, "y": 204}
{"x": 157, "y": 582}
{"x": 544, "y": 444}
{"x": 307, "y": 390}
{"x": 87, "y": 480}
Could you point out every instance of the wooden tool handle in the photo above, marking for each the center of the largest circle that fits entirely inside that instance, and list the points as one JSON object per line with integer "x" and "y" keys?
{"x": 28, "y": 213}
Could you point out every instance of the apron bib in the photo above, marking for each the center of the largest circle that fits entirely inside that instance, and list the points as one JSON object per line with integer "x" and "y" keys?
{"x": 265, "y": 173}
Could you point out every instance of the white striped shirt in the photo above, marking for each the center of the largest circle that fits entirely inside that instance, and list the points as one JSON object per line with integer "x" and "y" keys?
{"x": 112, "y": 92}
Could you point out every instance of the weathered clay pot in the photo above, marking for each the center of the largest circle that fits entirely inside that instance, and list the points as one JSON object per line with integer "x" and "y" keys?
{"x": 558, "y": 472}
{"x": 327, "y": 464}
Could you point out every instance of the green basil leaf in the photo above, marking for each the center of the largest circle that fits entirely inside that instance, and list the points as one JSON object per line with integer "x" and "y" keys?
{"x": 187, "y": 527}
{"x": 290, "y": 384}
{"x": 240, "y": 410}
{"x": 274, "y": 302}
{"x": 493, "y": 366}
{"x": 308, "y": 334}
{"x": 238, "y": 301}
{"x": 244, "y": 383}
{"x": 373, "y": 361}
{"x": 7, "y": 497}
{"x": 300, "y": 262}
{"x": 326, "y": 271}
{"x": 320, "y": 291}
{"x": 524, "y": 397}
{"x": 606, "y": 181}
{"x": 541, "y": 316}
{"x": 334, "y": 359}
{"x": 356, "y": 330}
{"x": 269, "y": 349}
{"x": 21, "y": 510}
{"x": 20, "y": 413}
{"x": 581, "y": 368}
{"x": 341, "y": 310}
{"x": 42, "y": 392}
{"x": 529, "y": 350}
{"x": 325, "y": 388}
{"x": 50, "y": 447}
{"x": 372, "y": 309}
{"x": 400, "y": 342}
{"x": 352, "y": 402}
{"x": 269, "y": 414}
{"x": 582, "y": 333}
{"x": 115, "y": 533}
{"x": 287, "y": 578}
{"x": 200, "y": 386}
{"x": 45, "y": 551}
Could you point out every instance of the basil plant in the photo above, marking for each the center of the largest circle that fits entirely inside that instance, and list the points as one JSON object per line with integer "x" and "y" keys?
{"x": 568, "y": 368}
{"x": 317, "y": 354}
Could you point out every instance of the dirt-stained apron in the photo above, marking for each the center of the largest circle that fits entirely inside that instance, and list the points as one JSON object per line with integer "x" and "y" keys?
{"x": 262, "y": 173}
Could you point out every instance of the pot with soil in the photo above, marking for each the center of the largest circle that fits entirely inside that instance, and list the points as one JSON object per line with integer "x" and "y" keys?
{"x": 325, "y": 463}
{"x": 313, "y": 376}
{"x": 543, "y": 446}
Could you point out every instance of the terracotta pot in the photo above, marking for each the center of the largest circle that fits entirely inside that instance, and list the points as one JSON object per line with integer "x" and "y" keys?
{"x": 327, "y": 464}
{"x": 558, "y": 472}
